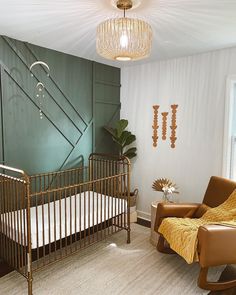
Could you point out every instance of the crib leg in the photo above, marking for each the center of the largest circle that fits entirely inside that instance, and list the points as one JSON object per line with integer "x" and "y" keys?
{"x": 128, "y": 236}
{"x": 30, "y": 285}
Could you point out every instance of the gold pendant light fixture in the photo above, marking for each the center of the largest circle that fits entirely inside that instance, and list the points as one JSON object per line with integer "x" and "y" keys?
{"x": 124, "y": 38}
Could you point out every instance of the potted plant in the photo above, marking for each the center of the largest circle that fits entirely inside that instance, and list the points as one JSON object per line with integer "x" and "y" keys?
{"x": 123, "y": 140}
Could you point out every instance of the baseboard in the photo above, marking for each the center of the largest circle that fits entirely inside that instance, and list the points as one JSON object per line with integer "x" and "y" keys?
{"x": 144, "y": 222}
{"x": 144, "y": 218}
{"x": 144, "y": 215}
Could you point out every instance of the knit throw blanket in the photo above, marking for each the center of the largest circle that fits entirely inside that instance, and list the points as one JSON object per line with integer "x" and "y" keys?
{"x": 181, "y": 233}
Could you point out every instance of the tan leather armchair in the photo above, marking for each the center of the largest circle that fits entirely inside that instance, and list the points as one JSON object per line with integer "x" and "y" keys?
{"x": 216, "y": 243}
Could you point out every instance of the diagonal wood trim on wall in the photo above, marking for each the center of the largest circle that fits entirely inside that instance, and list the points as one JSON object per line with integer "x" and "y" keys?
{"x": 73, "y": 109}
{"x": 36, "y": 76}
{"x": 57, "y": 86}
{"x": 1, "y": 120}
{"x": 34, "y": 103}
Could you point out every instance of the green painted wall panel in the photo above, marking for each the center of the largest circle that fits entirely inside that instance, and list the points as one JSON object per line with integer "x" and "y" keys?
{"x": 76, "y": 80}
{"x": 81, "y": 97}
{"x": 30, "y": 142}
{"x": 107, "y": 93}
{"x": 107, "y": 105}
{"x": 107, "y": 74}
{"x": 105, "y": 115}
{"x": 53, "y": 106}
{"x": 82, "y": 150}
{"x": 1, "y": 135}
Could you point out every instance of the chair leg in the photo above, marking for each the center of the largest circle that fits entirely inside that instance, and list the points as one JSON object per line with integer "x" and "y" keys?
{"x": 161, "y": 247}
{"x": 213, "y": 286}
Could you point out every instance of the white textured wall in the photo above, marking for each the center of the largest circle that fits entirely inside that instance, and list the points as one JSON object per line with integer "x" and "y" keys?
{"x": 234, "y": 112}
{"x": 198, "y": 84}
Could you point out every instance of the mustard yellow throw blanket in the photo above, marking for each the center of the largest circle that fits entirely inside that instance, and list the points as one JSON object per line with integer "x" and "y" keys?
{"x": 181, "y": 233}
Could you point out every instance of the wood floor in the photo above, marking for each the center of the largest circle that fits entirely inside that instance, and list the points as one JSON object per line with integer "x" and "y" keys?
{"x": 229, "y": 273}
{"x": 114, "y": 267}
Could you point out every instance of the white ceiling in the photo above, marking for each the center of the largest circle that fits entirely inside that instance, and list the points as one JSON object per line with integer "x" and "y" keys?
{"x": 180, "y": 27}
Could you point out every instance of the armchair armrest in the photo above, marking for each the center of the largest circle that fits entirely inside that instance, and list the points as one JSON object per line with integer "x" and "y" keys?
{"x": 216, "y": 245}
{"x": 174, "y": 210}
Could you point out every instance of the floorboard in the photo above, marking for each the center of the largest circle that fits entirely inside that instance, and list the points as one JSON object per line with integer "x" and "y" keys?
{"x": 229, "y": 273}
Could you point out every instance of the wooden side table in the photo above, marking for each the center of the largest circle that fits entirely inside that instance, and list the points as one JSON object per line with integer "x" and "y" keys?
{"x": 154, "y": 236}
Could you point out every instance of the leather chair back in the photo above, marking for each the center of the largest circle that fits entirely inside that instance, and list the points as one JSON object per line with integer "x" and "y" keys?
{"x": 218, "y": 191}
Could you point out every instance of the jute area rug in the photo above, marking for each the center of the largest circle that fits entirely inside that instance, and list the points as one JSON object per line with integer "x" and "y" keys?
{"x": 114, "y": 267}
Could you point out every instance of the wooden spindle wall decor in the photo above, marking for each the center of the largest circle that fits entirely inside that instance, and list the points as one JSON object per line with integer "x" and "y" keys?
{"x": 173, "y": 126}
{"x": 155, "y": 125}
{"x": 164, "y": 125}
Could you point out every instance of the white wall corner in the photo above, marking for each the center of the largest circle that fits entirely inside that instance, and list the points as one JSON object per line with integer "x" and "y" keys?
{"x": 229, "y": 99}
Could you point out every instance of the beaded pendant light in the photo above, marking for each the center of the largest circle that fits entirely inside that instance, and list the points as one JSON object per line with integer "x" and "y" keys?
{"x": 124, "y": 38}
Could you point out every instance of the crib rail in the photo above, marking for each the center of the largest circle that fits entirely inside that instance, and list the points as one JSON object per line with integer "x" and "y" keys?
{"x": 15, "y": 223}
{"x": 47, "y": 217}
{"x": 59, "y": 179}
{"x": 80, "y": 207}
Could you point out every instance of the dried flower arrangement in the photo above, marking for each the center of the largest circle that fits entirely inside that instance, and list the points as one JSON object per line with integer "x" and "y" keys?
{"x": 166, "y": 186}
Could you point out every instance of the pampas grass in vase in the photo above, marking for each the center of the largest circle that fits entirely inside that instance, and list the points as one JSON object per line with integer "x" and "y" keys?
{"x": 166, "y": 186}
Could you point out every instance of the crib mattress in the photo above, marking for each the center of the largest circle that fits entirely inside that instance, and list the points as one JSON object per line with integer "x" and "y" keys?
{"x": 61, "y": 218}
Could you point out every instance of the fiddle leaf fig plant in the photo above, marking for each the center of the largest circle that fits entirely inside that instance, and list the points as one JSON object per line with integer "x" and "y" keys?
{"x": 123, "y": 138}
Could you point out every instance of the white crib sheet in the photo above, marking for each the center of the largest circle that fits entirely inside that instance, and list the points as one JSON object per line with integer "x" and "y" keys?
{"x": 101, "y": 208}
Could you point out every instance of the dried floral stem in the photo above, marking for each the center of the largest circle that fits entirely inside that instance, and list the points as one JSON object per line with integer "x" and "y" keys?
{"x": 165, "y": 184}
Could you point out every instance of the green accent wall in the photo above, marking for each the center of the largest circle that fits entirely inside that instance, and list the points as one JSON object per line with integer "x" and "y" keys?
{"x": 106, "y": 105}
{"x": 81, "y": 96}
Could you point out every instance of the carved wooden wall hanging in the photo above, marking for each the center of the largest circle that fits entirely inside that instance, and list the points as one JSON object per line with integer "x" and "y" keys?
{"x": 173, "y": 126}
{"x": 155, "y": 125}
{"x": 164, "y": 125}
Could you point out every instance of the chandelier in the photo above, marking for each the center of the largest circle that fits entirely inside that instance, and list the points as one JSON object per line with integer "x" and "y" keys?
{"x": 124, "y": 38}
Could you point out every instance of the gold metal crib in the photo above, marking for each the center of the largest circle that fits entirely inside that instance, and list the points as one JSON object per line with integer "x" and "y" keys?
{"x": 47, "y": 217}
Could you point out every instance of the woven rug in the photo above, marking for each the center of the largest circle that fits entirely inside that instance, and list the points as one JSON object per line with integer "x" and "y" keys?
{"x": 114, "y": 267}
